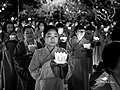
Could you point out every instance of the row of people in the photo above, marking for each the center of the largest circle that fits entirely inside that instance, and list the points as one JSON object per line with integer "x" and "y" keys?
{"x": 32, "y": 59}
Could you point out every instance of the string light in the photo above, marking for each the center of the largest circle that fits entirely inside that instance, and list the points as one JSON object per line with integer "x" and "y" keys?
{"x": 29, "y": 19}
{"x": 12, "y": 18}
{"x": 4, "y": 5}
{"x": 3, "y": 8}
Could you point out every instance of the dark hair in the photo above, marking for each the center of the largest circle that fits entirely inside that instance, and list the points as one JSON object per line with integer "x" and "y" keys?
{"x": 45, "y": 24}
{"x": 117, "y": 24}
{"x": 5, "y": 26}
{"x": 111, "y": 55}
{"x": 91, "y": 28}
{"x": 115, "y": 36}
{"x": 48, "y": 28}
{"x": 78, "y": 27}
{"x": 24, "y": 28}
{"x": 59, "y": 25}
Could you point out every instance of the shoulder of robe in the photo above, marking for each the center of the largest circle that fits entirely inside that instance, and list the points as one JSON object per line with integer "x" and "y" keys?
{"x": 40, "y": 51}
{"x": 39, "y": 45}
{"x": 20, "y": 43}
{"x": 72, "y": 40}
{"x": 74, "y": 37}
{"x": 19, "y": 49}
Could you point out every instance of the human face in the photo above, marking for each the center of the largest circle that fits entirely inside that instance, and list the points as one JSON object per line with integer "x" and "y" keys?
{"x": 60, "y": 30}
{"x": 41, "y": 26}
{"x": 80, "y": 33}
{"x": 9, "y": 28}
{"x": 12, "y": 37}
{"x": 89, "y": 35}
{"x": 51, "y": 38}
{"x": 29, "y": 34}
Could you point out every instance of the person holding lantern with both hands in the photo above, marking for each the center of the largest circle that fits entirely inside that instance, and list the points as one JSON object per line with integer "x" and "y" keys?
{"x": 50, "y": 65}
{"x": 22, "y": 56}
{"x": 79, "y": 47}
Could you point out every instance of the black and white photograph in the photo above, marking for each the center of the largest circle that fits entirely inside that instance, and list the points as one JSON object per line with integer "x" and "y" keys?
{"x": 59, "y": 44}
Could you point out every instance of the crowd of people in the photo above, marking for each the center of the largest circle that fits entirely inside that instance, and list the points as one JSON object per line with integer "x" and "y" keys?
{"x": 27, "y": 56}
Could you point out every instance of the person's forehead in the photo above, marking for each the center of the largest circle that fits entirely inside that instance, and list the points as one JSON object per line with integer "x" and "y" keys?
{"x": 8, "y": 25}
{"x": 81, "y": 30}
{"x": 60, "y": 29}
{"x": 52, "y": 31}
{"x": 41, "y": 23}
{"x": 28, "y": 29}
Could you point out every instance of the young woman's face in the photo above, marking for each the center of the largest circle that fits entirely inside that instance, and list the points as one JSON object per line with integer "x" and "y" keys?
{"x": 80, "y": 33}
{"x": 9, "y": 28}
{"x": 51, "y": 38}
{"x": 89, "y": 35}
{"x": 29, "y": 34}
{"x": 60, "y": 30}
{"x": 41, "y": 27}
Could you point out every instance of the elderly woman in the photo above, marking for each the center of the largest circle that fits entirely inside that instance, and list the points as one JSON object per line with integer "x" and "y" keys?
{"x": 22, "y": 57}
{"x": 79, "y": 53}
{"x": 44, "y": 68}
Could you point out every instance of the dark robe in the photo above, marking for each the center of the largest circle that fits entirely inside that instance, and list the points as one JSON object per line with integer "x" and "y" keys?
{"x": 22, "y": 61}
{"x": 62, "y": 43}
{"x": 8, "y": 73}
{"x": 80, "y": 77}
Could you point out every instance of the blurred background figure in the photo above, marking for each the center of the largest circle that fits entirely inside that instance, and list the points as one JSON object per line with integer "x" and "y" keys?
{"x": 22, "y": 57}
{"x": 62, "y": 35}
{"x": 78, "y": 47}
{"x": 89, "y": 35}
{"x": 9, "y": 41}
{"x": 111, "y": 60}
{"x": 39, "y": 32}
{"x": 0, "y": 55}
{"x": 19, "y": 31}
{"x": 8, "y": 28}
{"x": 0, "y": 33}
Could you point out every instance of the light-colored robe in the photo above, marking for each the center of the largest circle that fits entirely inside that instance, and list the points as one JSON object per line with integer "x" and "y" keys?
{"x": 41, "y": 71}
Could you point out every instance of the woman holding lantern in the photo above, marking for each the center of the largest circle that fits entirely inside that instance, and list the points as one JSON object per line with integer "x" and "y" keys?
{"x": 22, "y": 56}
{"x": 50, "y": 65}
{"x": 79, "y": 46}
